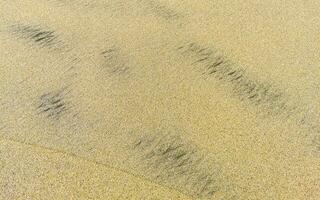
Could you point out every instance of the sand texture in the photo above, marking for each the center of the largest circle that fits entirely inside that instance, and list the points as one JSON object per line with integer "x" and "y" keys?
{"x": 159, "y": 99}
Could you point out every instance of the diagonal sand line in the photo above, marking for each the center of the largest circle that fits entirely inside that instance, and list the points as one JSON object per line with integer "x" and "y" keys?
{"x": 72, "y": 155}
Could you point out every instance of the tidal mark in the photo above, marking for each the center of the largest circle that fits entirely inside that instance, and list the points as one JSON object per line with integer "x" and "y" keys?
{"x": 53, "y": 104}
{"x": 169, "y": 160}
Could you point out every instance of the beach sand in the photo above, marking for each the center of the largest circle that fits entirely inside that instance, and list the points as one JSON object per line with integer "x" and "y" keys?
{"x": 159, "y": 99}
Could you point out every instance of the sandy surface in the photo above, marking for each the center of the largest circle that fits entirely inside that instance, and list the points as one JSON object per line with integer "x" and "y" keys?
{"x": 159, "y": 99}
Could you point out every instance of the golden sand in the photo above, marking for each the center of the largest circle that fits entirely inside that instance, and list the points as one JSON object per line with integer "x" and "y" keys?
{"x": 159, "y": 99}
